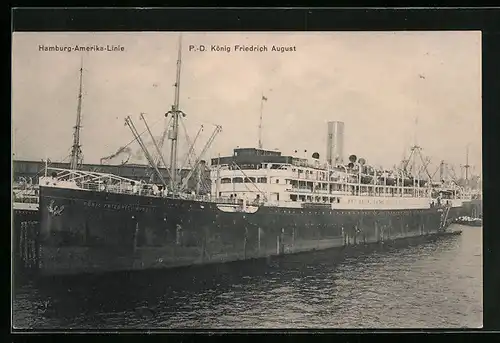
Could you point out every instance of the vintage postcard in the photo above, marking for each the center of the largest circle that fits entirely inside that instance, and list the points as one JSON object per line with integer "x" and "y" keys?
{"x": 173, "y": 180}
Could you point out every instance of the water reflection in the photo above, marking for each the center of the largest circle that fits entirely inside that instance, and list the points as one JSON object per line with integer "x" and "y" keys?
{"x": 438, "y": 284}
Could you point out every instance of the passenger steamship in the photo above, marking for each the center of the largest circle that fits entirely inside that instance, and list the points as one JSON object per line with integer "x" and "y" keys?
{"x": 262, "y": 203}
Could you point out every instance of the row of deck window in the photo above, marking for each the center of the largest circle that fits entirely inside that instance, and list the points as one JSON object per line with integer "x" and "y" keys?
{"x": 264, "y": 180}
{"x": 309, "y": 186}
{"x": 309, "y": 198}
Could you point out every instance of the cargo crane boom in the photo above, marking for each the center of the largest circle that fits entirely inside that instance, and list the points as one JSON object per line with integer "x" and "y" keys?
{"x": 191, "y": 149}
{"x": 155, "y": 165}
{"x": 218, "y": 129}
{"x": 130, "y": 124}
{"x": 160, "y": 158}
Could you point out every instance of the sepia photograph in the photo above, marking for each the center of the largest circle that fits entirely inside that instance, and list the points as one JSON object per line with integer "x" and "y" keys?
{"x": 246, "y": 180}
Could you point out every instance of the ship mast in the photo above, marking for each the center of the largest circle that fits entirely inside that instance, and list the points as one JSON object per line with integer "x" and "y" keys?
{"x": 441, "y": 171}
{"x": 467, "y": 166}
{"x": 262, "y": 99}
{"x": 76, "y": 149}
{"x": 175, "y": 112}
{"x": 414, "y": 148}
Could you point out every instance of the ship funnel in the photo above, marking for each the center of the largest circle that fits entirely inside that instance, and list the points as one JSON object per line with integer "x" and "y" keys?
{"x": 335, "y": 143}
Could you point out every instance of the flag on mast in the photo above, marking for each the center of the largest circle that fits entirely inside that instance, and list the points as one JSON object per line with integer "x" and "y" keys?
{"x": 264, "y": 98}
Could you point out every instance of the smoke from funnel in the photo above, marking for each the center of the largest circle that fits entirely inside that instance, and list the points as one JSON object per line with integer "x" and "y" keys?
{"x": 120, "y": 151}
{"x": 137, "y": 155}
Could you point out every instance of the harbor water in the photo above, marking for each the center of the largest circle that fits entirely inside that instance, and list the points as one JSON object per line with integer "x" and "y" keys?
{"x": 433, "y": 285}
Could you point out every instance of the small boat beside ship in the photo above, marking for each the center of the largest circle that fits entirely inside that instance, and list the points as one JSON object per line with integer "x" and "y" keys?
{"x": 468, "y": 221}
{"x": 25, "y": 200}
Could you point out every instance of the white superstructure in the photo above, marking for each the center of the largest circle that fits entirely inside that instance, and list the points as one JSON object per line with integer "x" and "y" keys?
{"x": 298, "y": 184}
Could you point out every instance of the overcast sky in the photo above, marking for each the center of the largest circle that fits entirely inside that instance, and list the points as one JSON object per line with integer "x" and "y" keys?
{"x": 375, "y": 82}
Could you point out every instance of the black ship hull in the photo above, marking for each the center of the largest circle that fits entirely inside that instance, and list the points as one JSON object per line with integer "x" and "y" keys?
{"x": 92, "y": 232}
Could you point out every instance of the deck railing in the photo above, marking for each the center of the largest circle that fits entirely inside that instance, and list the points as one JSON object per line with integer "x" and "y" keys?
{"x": 26, "y": 199}
{"x": 95, "y": 181}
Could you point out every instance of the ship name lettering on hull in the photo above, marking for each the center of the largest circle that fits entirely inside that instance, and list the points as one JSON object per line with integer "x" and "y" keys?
{"x": 366, "y": 202}
{"x": 125, "y": 207}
